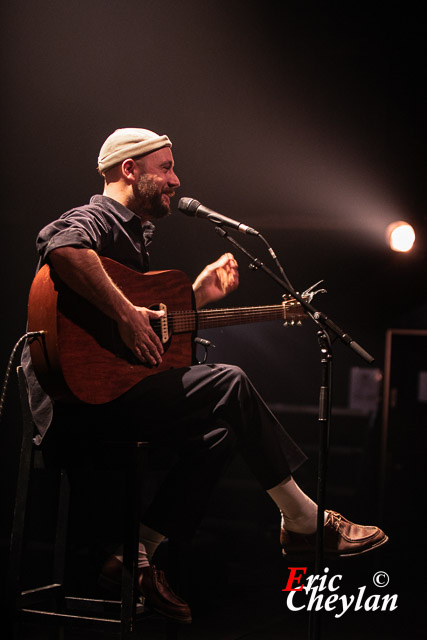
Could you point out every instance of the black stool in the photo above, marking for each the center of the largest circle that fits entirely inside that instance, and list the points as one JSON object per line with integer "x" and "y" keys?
{"x": 49, "y": 603}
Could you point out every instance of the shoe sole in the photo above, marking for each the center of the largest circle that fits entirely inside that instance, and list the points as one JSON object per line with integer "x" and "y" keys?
{"x": 330, "y": 554}
{"x": 172, "y": 619}
{"x": 113, "y": 586}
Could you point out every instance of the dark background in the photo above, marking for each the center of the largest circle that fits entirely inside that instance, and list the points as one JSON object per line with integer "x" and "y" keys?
{"x": 305, "y": 120}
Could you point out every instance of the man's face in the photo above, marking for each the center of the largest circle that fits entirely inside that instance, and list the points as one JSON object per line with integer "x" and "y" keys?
{"x": 156, "y": 184}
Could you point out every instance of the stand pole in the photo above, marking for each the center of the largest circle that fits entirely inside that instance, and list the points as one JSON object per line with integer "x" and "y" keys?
{"x": 325, "y": 404}
{"x": 328, "y": 328}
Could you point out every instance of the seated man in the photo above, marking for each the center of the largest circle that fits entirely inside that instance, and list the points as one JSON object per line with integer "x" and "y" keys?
{"x": 202, "y": 411}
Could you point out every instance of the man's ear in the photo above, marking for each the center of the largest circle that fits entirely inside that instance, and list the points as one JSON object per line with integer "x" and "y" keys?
{"x": 129, "y": 168}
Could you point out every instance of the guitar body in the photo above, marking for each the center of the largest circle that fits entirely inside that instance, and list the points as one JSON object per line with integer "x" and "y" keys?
{"x": 81, "y": 357}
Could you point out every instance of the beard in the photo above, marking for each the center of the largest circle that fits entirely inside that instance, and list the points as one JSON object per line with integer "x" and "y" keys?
{"x": 148, "y": 199}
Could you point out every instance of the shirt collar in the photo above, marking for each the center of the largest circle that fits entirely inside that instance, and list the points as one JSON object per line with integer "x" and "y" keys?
{"x": 122, "y": 212}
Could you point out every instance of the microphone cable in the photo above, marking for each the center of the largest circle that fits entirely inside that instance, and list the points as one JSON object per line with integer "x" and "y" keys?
{"x": 278, "y": 265}
{"x": 26, "y": 336}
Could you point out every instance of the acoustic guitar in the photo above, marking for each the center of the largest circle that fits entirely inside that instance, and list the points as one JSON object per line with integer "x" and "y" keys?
{"x": 81, "y": 357}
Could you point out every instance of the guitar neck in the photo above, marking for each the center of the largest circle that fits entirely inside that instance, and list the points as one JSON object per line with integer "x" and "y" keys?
{"x": 211, "y": 318}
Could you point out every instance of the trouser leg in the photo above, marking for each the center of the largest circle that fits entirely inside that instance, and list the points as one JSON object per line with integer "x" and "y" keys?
{"x": 206, "y": 412}
{"x": 178, "y": 405}
{"x": 180, "y": 503}
{"x": 184, "y": 410}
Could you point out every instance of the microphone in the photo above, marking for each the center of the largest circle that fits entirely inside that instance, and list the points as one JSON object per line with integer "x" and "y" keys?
{"x": 193, "y": 208}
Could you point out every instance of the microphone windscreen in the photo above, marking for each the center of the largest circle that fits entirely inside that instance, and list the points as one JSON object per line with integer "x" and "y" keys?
{"x": 188, "y": 206}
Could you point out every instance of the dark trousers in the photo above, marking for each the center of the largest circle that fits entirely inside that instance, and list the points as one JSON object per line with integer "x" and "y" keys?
{"x": 202, "y": 414}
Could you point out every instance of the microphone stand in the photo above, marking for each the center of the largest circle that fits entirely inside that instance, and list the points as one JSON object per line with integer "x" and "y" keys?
{"x": 327, "y": 330}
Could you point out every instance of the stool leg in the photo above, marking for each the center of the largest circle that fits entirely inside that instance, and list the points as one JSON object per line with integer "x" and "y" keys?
{"x": 129, "y": 591}
{"x": 18, "y": 522}
{"x": 61, "y": 528}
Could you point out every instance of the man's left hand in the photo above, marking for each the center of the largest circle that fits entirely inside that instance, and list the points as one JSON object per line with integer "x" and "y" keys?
{"x": 216, "y": 280}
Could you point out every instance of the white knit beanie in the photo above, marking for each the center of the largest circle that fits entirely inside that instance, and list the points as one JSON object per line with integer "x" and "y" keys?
{"x": 129, "y": 143}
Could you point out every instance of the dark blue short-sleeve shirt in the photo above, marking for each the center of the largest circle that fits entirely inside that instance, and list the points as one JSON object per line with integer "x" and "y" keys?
{"x": 111, "y": 230}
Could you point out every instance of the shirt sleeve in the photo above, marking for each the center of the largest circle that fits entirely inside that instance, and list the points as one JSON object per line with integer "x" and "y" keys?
{"x": 80, "y": 229}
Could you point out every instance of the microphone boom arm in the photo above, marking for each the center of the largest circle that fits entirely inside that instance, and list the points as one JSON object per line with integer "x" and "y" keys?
{"x": 317, "y": 316}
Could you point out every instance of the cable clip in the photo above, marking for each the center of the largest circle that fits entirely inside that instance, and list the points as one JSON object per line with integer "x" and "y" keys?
{"x": 205, "y": 344}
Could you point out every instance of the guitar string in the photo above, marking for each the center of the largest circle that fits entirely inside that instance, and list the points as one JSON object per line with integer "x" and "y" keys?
{"x": 186, "y": 320}
{"x": 216, "y": 313}
{"x": 212, "y": 316}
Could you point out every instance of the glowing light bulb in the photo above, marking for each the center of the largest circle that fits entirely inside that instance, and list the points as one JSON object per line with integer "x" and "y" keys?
{"x": 400, "y": 236}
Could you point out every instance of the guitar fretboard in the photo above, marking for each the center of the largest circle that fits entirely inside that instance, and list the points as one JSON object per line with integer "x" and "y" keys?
{"x": 211, "y": 318}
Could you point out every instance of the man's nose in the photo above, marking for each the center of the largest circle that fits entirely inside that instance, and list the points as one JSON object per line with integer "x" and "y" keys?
{"x": 174, "y": 181}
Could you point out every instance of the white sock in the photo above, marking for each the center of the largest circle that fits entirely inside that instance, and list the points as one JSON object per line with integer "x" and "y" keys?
{"x": 299, "y": 512}
{"x": 149, "y": 540}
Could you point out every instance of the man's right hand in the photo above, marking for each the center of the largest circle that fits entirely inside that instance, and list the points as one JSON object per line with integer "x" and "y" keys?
{"x": 82, "y": 271}
{"x": 139, "y": 336}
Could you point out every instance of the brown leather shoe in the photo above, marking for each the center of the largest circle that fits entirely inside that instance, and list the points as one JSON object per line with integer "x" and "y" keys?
{"x": 340, "y": 538}
{"x": 153, "y": 586}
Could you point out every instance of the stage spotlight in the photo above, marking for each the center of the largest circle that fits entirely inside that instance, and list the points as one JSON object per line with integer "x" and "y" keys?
{"x": 400, "y": 236}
